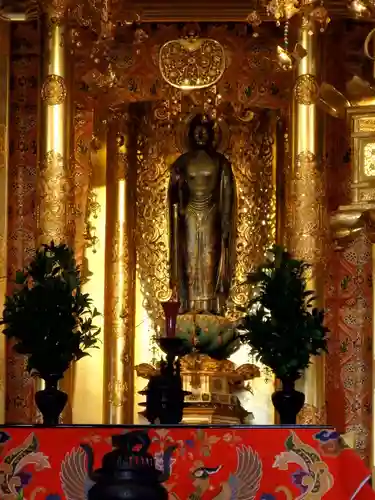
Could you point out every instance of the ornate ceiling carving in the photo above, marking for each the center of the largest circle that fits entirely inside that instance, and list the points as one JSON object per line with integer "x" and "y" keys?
{"x": 185, "y": 10}
{"x": 202, "y": 10}
{"x": 252, "y": 76}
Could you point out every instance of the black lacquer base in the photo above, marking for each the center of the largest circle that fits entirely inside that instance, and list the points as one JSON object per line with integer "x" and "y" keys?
{"x": 288, "y": 403}
{"x": 164, "y": 394}
{"x": 51, "y": 403}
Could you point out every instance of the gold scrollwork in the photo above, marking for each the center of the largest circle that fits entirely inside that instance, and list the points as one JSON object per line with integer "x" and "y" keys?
{"x": 52, "y": 160}
{"x": 251, "y": 154}
{"x": 53, "y": 188}
{"x": 306, "y": 162}
{"x": 54, "y": 90}
{"x": 306, "y": 215}
{"x": 310, "y": 415}
{"x": 92, "y": 214}
{"x": 55, "y": 8}
{"x": 117, "y": 389}
{"x": 369, "y": 159}
{"x": 154, "y": 159}
{"x": 194, "y": 63}
{"x": 306, "y": 89}
{"x": 366, "y": 125}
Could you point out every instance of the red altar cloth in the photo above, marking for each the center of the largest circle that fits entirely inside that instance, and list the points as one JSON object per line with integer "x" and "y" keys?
{"x": 222, "y": 463}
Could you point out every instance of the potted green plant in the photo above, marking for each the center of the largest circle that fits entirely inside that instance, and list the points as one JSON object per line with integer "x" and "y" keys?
{"x": 51, "y": 322}
{"x": 282, "y": 326}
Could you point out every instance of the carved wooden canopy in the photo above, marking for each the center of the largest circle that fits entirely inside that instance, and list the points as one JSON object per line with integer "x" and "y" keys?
{"x": 187, "y": 10}
{"x": 202, "y": 10}
{"x": 251, "y": 76}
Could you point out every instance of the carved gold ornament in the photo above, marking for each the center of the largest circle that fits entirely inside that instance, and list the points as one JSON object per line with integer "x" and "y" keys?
{"x": 369, "y": 159}
{"x": 117, "y": 390}
{"x": 54, "y": 90}
{"x": 201, "y": 363}
{"x": 254, "y": 20}
{"x": 282, "y": 9}
{"x": 366, "y": 125}
{"x": 54, "y": 188}
{"x": 305, "y": 213}
{"x": 192, "y": 63}
{"x": 320, "y": 15}
{"x": 310, "y": 415}
{"x": 306, "y": 89}
{"x": 55, "y": 8}
{"x": 306, "y": 160}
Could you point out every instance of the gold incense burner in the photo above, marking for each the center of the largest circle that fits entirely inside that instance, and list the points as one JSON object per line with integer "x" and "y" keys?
{"x": 213, "y": 386}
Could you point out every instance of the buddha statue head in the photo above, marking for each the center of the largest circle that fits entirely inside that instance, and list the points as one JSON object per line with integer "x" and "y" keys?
{"x": 201, "y": 133}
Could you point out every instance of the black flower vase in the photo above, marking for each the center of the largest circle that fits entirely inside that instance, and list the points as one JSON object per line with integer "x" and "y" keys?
{"x": 50, "y": 400}
{"x": 288, "y": 402}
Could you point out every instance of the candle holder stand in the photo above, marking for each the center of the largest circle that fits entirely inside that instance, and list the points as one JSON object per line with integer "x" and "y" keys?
{"x": 164, "y": 393}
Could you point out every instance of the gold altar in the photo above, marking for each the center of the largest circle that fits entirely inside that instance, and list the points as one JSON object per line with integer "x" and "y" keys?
{"x": 88, "y": 148}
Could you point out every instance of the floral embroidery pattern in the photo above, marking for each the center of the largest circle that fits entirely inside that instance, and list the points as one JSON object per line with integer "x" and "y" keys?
{"x": 330, "y": 442}
{"x": 312, "y": 478}
{"x": 13, "y": 476}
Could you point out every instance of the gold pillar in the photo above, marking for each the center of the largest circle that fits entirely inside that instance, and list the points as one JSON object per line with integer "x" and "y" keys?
{"x": 55, "y": 129}
{"x": 306, "y": 219}
{"x": 54, "y": 184}
{"x": 4, "y": 142}
{"x": 120, "y": 274}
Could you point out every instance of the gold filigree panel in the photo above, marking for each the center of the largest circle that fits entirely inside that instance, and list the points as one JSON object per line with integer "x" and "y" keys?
{"x": 54, "y": 90}
{"x": 306, "y": 89}
{"x": 54, "y": 189}
{"x": 310, "y": 415}
{"x": 55, "y": 8}
{"x": 81, "y": 179}
{"x": 305, "y": 213}
{"x": 367, "y": 195}
{"x": 156, "y": 152}
{"x": 250, "y": 152}
{"x": 118, "y": 391}
{"x": 369, "y": 159}
{"x": 192, "y": 63}
{"x": 365, "y": 125}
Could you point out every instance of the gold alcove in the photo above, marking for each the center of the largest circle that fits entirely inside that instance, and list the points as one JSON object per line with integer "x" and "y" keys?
{"x": 137, "y": 137}
{"x": 250, "y": 147}
{"x": 147, "y": 138}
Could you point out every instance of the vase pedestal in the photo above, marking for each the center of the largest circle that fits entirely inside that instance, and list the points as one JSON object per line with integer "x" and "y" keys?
{"x": 51, "y": 401}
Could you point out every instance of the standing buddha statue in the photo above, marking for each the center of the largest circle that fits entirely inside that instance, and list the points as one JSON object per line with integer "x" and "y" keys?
{"x": 201, "y": 204}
